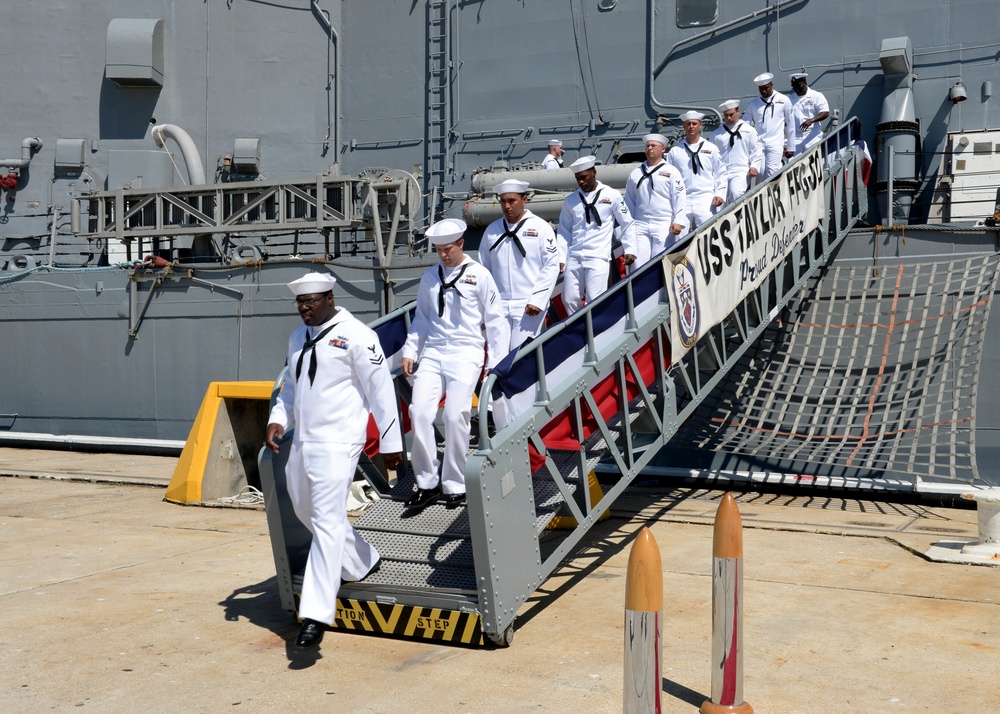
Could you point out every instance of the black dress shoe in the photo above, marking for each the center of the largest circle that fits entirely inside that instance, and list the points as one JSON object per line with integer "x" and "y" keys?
{"x": 453, "y": 500}
{"x": 423, "y": 497}
{"x": 310, "y": 634}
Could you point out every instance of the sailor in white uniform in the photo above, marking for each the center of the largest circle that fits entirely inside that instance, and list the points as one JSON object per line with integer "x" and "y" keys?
{"x": 739, "y": 148}
{"x": 520, "y": 252}
{"x": 809, "y": 110}
{"x": 587, "y": 223}
{"x": 770, "y": 113}
{"x": 553, "y": 160}
{"x": 337, "y": 374}
{"x": 455, "y": 299}
{"x": 657, "y": 199}
{"x": 705, "y": 176}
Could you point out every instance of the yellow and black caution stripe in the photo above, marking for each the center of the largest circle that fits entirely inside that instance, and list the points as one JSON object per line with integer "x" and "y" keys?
{"x": 426, "y": 623}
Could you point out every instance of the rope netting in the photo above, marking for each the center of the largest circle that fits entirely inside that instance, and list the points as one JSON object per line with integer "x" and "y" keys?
{"x": 867, "y": 370}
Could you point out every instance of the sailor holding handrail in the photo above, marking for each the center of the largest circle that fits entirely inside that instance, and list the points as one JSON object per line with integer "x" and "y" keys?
{"x": 705, "y": 176}
{"x": 657, "y": 199}
{"x": 770, "y": 114}
{"x": 587, "y": 223}
{"x": 455, "y": 299}
{"x": 739, "y": 148}
{"x": 809, "y": 110}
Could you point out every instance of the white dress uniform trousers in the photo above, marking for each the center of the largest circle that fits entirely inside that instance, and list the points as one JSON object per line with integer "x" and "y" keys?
{"x": 705, "y": 177}
{"x": 772, "y": 118}
{"x": 808, "y": 106}
{"x": 329, "y": 411}
{"x": 446, "y": 337}
{"x": 587, "y": 224}
{"x": 657, "y": 199}
{"x": 740, "y": 150}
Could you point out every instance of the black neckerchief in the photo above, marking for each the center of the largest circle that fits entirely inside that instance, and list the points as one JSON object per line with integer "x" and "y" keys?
{"x": 310, "y": 346}
{"x": 590, "y": 209}
{"x": 733, "y": 135}
{"x": 767, "y": 104}
{"x": 449, "y": 285}
{"x": 695, "y": 161}
{"x": 648, "y": 174}
{"x": 511, "y": 233}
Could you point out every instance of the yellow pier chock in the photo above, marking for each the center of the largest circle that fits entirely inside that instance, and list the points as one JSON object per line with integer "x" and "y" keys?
{"x": 220, "y": 455}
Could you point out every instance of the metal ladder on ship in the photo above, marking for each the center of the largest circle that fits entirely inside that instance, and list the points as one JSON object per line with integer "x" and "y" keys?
{"x": 606, "y": 377}
{"x": 438, "y": 101}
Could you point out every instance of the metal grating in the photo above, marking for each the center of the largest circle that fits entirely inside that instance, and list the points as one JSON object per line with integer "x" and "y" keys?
{"x": 420, "y": 575}
{"x": 435, "y": 520}
{"x": 874, "y": 370}
{"x": 409, "y": 575}
{"x": 420, "y": 548}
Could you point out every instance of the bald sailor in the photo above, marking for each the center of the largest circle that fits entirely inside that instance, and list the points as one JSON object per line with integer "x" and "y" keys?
{"x": 739, "y": 148}
{"x": 553, "y": 160}
{"x": 705, "y": 176}
{"x": 520, "y": 252}
{"x": 809, "y": 110}
{"x": 337, "y": 374}
{"x": 657, "y": 199}
{"x": 770, "y": 114}
{"x": 455, "y": 299}
{"x": 588, "y": 220}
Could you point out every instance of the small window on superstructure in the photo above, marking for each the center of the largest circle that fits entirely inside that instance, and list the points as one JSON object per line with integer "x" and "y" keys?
{"x": 697, "y": 13}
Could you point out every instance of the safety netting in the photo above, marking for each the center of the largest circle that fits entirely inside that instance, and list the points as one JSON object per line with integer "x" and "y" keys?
{"x": 868, "y": 370}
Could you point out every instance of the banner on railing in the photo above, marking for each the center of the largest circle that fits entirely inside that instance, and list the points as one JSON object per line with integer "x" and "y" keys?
{"x": 723, "y": 263}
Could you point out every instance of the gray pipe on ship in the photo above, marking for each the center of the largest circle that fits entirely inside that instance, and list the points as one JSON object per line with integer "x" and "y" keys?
{"x": 192, "y": 158}
{"x": 28, "y": 147}
{"x": 614, "y": 175}
{"x": 549, "y": 188}
{"x": 897, "y": 130}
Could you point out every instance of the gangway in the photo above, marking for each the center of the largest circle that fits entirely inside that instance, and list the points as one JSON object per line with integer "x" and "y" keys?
{"x": 613, "y": 382}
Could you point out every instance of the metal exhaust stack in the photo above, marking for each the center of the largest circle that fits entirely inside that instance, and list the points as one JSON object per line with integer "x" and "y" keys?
{"x": 897, "y": 134}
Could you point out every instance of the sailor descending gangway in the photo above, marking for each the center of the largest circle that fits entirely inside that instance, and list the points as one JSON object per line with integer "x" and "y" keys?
{"x": 613, "y": 382}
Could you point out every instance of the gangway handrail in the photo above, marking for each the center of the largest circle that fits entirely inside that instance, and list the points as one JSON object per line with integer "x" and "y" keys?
{"x": 835, "y": 141}
{"x": 679, "y": 387}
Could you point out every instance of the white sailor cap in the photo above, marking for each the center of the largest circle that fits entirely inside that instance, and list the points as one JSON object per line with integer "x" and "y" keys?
{"x": 511, "y": 186}
{"x": 797, "y": 75}
{"x": 447, "y": 231}
{"x": 555, "y": 142}
{"x": 761, "y": 79}
{"x": 731, "y": 104}
{"x": 658, "y": 138}
{"x": 312, "y": 284}
{"x": 583, "y": 163}
{"x": 692, "y": 116}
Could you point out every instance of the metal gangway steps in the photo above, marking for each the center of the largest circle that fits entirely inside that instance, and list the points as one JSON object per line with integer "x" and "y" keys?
{"x": 614, "y": 382}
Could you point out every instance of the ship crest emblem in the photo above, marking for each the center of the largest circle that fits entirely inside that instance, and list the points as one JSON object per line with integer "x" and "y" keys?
{"x": 339, "y": 342}
{"x": 686, "y": 301}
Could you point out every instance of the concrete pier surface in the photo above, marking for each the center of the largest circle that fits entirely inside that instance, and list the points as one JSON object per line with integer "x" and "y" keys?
{"x": 113, "y": 600}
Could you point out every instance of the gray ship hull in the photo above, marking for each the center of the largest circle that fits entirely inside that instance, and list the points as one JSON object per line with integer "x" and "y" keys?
{"x": 431, "y": 95}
